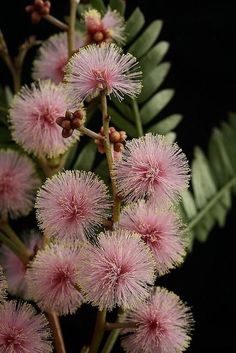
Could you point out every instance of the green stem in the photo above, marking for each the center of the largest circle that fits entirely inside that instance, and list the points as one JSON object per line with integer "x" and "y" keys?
{"x": 84, "y": 130}
{"x": 57, "y": 333}
{"x": 98, "y": 331}
{"x": 210, "y": 204}
{"x": 137, "y": 117}
{"x": 71, "y": 28}
{"x": 111, "y": 340}
{"x": 53, "y": 20}
{"x": 14, "y": 248}
{"x": 115, "y": 325}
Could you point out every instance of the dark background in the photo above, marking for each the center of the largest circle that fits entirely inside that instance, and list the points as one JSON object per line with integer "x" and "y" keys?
{"x": 203, "y": 39}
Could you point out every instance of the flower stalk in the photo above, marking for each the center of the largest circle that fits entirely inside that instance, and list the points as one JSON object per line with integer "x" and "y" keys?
{"x": 57, "y": 23}
{"x": 99, "y": 331}
{"x": 71, "y": 27}
{"x": 57, "y": 333}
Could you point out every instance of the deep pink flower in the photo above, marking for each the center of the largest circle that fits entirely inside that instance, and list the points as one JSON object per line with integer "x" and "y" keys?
{"x": 116, "y": 271}
{"x": 14, "y": 268}
{"x": 3, "y": 285}
{"x": 107, "y": 29}
{"x": 22, "y": 330}
{"x": 33, "y": 117}
{"x": 101, "y": 68}
{"x": 163, "y": 325}
{"x": 53, "y": 56}
{"x": 52, "y": 279}
{"x": 18, "y": 184}
{"x": 151, "y": 167}
{"x": 72, "y": 204}
{"x": 161, "y": 230}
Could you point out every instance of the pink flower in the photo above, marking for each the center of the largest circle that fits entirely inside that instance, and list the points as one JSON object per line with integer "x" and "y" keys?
{"x": 116, "y": 271}
{"x": 151, "y": 167}
{"x": 161, "y": 230}
{"x": 3, "y": 286}
{"x": 18, "y": 184}
{"x": 53, "y": 56}
{"x": 22, "y": 330}
{"x": 163, "y": 325}
{"x": 14, "y": 268}
{"x": 103, "y": 68}
{"x": 72, "y": 204}
{"x": 110, "y": 27}
{"x": 52, "y": 278}
{"x": 33, "y": 117}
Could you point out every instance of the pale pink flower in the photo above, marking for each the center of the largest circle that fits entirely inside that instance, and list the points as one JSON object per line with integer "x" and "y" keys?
{"x": 3, "y": 285}
{"x": 22, "y": 330}
{"x": 163, "y": 323}
{"x": 52, "y": 278}
{"x": 152, "y": 167}
{"x": 33, "y": 117}
{"x": 72, "y": 205}
{"x": 14, "y": 268}
{"x": 18, "y": 184}
{"x": 116, "y": 271}
{"x": 103, "y": 68}
{"x": 53, "y": 56}
{"x": 162, "y": 231}
{"x": 107, "y": 29}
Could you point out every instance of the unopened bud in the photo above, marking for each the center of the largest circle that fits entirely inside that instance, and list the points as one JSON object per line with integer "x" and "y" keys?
{"x": 76, "y": 123}
{"x": 66, "y": 124}
{"x": 115, "y": 137}
{"x": 67, "y": 133}
{"x": 118, "y": 147}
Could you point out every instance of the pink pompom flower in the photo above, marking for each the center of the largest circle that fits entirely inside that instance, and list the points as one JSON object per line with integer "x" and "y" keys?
{"x": 53, "y": 56}
{"x": 163, "y": 325}
{"x": 33, "y": 117}
{"x": 107, "y": 29}
{"x": 72, "y": 204}
{"x": 162, "y": 231}
{"x": 14, "y": 268}
{"x": 52, "y": 279}
{"x": 18, "y": 184}
{"x": 95, "y": 69}
{"x": 3, "y": 285}
{"x": 116, "y": 271}
{"x": 152, "y": 167}
{"x": 22, "y": 330}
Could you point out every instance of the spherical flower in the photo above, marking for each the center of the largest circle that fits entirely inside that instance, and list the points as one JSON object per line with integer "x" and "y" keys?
{"x": 53, "y": 56}
{"x": 72, "y": 205}
{"x": 116, "y": 271}
{"x": 3, "y": 285}
{"x": 163, "y": 325}
{"x": 95, "y": 69}
{"x": 162, "y": 231}
{"x": 22, "y": 330}
{"x": 151, "y": 167}
{"x": 33, "y": 117}
{"x": 52, "y": 278}
{"x": 14, "y": 268}
{"x": 107, "y": 29}
{"x": 18, "y": 184}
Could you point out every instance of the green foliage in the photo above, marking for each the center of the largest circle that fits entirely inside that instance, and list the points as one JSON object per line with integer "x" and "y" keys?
{"x": 213, "y": 182}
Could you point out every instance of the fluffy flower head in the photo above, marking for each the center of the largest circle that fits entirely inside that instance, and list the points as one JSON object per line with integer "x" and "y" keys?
{"x": 116, "y": 271}
{"x": 22, "y": 330}
{"x": 102, "y": 68}
{"x": 53, "y": 56}
{"x": 151, "y": 167}
{"x": 14, "y": 268}
{"x": 163, "y": 325}
{"x": 161, "y": 230}
{"x": 18, "y": 184}
{"x": 52, "y": 278}
{"x": 33, "y": 117}
{"x": 107, "y": 29}
{"x": 72, "y": 204}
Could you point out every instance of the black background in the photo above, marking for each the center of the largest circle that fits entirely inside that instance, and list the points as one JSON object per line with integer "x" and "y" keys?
{"x": 203, "y": 39}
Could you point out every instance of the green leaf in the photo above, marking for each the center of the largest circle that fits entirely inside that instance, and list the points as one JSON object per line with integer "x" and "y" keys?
{"x": 134, "y": 25}
{"x": 86, "y": 157}
{"x": 118, "y": 5}
{"x": 166, "y": 125}
{"x": 155, "y": 105}
{"x": 153, "y": 80}
{"x": 9, "y": 95}
{"x": 71, "y": 154}
{"x": 146, "y": 39}
{"x": 82, "y": 8}
{"x": 122, "y": 123}
{"x": 123, "y": 108}
{"x": 153, "y": 57}
{"x": 98, "y": 5}
{"x": 102, "y": 171}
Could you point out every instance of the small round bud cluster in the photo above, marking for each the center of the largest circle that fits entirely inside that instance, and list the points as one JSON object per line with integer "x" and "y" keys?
{"x": 38, "y": 10}
{"x": 117, "y": 138}
{"x": 70, "y": 122}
